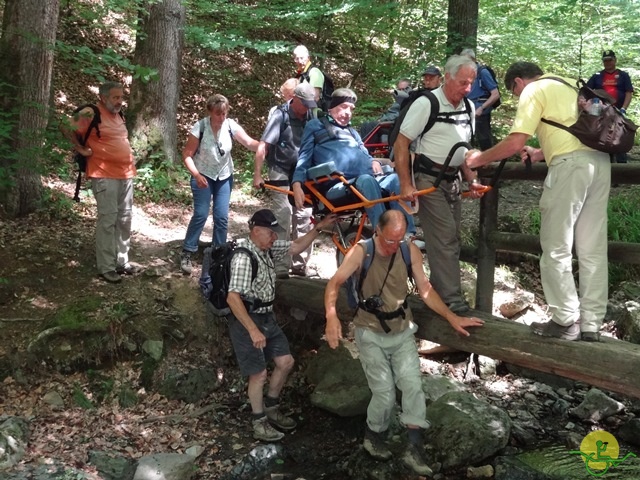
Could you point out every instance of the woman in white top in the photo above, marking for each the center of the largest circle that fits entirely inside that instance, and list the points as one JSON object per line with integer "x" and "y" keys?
{"x": 207, "y": 156}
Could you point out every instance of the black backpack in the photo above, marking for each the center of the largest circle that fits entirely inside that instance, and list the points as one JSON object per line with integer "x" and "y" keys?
{"x": 78, "y": 158}
{"x": 495, "y": 79}
{"x": 327, "y": 87}
{"x": 216, "y": 275}
{"x": 610, "y": 131}
{"x": 434, "y": 116}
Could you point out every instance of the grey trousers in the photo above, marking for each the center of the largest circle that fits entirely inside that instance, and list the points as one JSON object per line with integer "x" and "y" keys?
{"x": 440, "y": 213}
{"x": 114, "y": 199}
{"x": 294, "y": 220}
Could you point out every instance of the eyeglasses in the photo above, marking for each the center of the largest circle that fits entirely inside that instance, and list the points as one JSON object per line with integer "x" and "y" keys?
{"x": 387, "y": 241}
{"x": 221, "y": 151}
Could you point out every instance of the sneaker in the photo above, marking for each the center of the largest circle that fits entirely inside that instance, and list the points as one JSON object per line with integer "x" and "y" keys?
{"x": 414, "y": 459}
{"x": 552, "y": 329}
{"x": 111, "y": 276}
{"x": 459, "y": 307}
{"x": 262, "y": 430}
{"x": 375, "y": 445}
{"x": 128, "y": 269}
{"x": 590, "y": 336}
{"x": 277, "y": 418}
{"x": 185, "y": 262}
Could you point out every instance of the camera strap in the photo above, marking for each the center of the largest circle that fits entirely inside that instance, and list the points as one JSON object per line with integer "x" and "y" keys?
{"x": 384, "y": 316}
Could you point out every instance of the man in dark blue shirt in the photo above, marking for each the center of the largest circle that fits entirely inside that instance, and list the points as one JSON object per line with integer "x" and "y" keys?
{"x": 484, "y": 94}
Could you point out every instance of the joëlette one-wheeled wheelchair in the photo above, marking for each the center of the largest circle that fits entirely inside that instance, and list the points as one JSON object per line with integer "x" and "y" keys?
{"x": 353, "y": 223}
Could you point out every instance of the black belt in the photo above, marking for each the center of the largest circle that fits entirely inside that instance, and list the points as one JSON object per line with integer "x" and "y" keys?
{"x": 424, "y": 164}
{"x": 384, "y": 316}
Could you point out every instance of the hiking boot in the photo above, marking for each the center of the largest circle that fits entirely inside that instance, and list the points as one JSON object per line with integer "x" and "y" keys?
{"x": 185, "y": 262}
{"x": 459, "y": 307}
{"x": 590, "y": 336}
{"x": 552, "y": 329}
{"x": 262, "y": 430}
{"x": 277, "y": 418}
{"x": 375, "y": 445}
{"x": 414, "y": 459}
{"x": 127, "y": 269}
{"x": 111, "y": 276}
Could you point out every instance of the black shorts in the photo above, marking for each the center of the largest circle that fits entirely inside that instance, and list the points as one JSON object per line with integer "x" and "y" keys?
{"x": 252, "y": 360}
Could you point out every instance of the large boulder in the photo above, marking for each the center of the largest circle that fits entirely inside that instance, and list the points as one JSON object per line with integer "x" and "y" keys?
{"x": 465, "y": 430}
{"x": 341, "y": 386}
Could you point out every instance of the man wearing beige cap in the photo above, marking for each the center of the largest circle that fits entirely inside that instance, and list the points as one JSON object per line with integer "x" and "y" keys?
{"x": 279, "y": 145}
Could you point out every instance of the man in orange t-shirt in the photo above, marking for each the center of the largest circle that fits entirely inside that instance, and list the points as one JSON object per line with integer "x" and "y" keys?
{"x": 111, "y": 168}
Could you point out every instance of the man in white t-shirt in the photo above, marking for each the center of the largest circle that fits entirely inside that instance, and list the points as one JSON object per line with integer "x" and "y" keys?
{"x": 440, "y": 211}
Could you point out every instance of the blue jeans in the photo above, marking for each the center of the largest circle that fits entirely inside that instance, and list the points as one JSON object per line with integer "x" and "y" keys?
{"x": 220, "y": 191}
{"x": 371, "y": 187}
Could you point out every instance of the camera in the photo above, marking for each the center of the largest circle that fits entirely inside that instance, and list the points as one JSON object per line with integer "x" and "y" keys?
{"x": 374, "y": 302}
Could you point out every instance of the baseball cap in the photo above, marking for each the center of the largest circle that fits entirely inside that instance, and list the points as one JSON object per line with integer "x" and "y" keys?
{"x": 307, "y": 95}
{"x": 266, "y": 218}
{"x": 432, "y": 70}
{"x": 608, "y": 54}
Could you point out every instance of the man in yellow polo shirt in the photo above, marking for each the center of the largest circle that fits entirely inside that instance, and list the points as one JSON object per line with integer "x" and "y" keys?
{"x": 573, "y": 205}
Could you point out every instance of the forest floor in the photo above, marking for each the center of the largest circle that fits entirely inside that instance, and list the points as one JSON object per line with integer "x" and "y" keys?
{"x": 47, "y": 263}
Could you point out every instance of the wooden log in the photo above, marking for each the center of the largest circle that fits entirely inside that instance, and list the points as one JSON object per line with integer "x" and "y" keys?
{"x": 623, "y": 173}
{"x": 610, "y": 364}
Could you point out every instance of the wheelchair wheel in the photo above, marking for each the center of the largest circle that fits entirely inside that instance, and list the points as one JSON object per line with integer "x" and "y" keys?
{"x": 349, "y": 236}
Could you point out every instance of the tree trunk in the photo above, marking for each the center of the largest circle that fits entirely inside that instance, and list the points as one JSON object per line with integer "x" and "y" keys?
{"x": 615, "y": 369}
{"x": 26, "y": 62}
{"x": 462, "y": 25}
{"x": 154, "y": 102}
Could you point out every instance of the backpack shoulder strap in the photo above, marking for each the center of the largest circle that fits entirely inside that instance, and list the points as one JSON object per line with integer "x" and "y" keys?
{"x": 95, "y": 121}
{"x": 552, "y": 122}
{"x": 252, "y": 257}
{"x": 325, "y": 134}
{"x": 369, "y": 252}
{"x": 435, "y": 110}
{"x": 202, "y": 125}
{"x": 284, "y": 109}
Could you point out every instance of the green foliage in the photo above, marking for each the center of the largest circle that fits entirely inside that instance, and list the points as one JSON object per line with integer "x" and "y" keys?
{"x": 101, "y": 385}
{"x": 77, "y": 314}
{"x": 624, "y": 216}
{"x": 623, "y": 226}
{"x": 99, "y": 65}
{"x": 81, "y": 399}
{"x": 243, "y": 170}
{"x": 159, "y": 181}
{"x": 57, "y": 205}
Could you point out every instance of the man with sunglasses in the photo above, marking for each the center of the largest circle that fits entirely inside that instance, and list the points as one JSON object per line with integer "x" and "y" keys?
{"x": 617, "y": 84}
{"x": 573, "y": 205}
{"x": 384, "y": 334}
